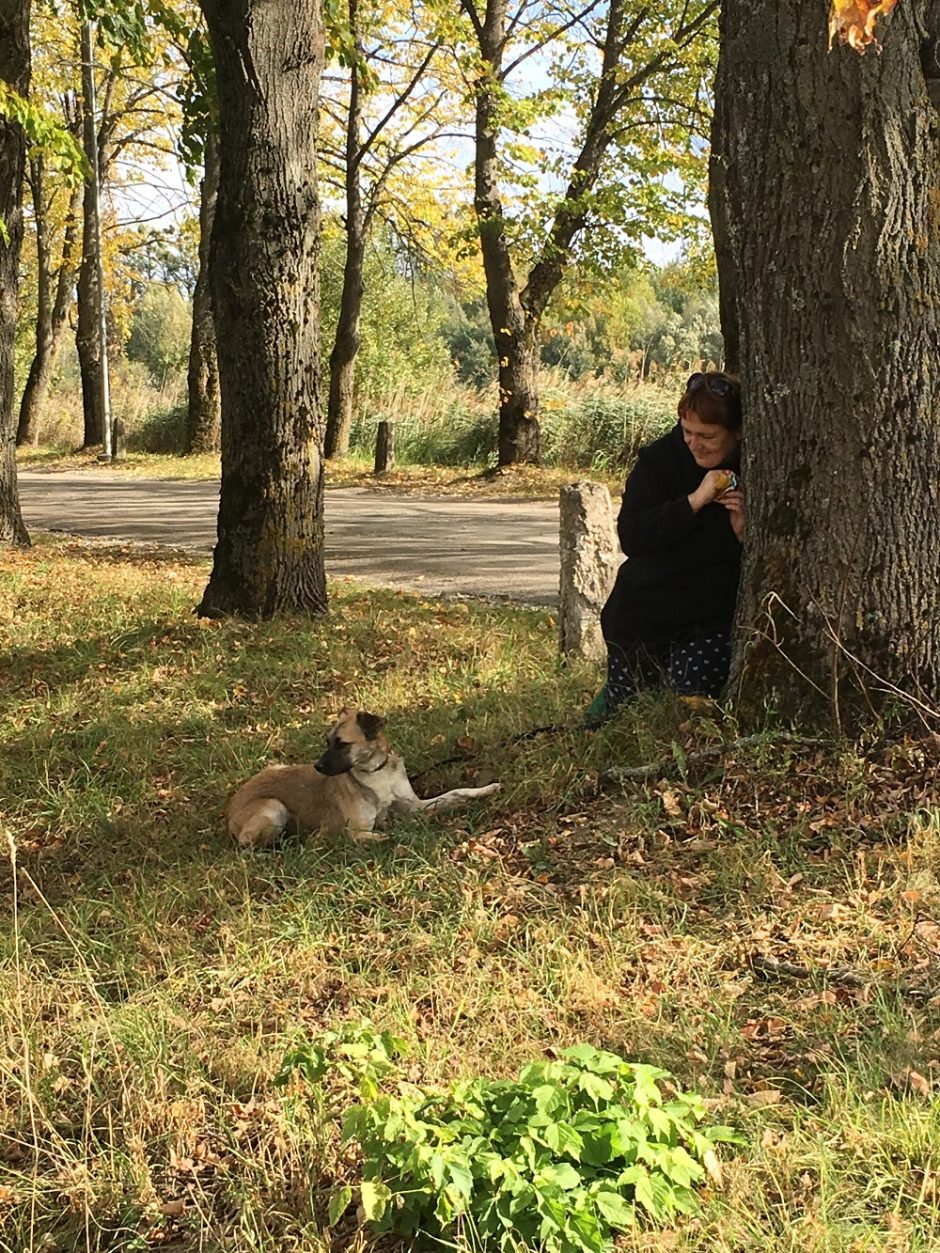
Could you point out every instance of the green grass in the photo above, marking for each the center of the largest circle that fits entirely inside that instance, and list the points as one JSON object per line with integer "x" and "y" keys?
{"x": 152, "y": 976}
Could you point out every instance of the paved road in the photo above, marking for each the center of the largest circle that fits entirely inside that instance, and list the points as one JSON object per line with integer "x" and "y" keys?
{"x": 477, "y": 547}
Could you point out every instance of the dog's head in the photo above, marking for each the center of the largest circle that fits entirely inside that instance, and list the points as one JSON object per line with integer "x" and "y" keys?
{"x": 355, "y": 740}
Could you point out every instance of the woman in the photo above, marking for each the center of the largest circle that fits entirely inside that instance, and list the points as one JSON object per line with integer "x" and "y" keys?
{"x": 681, "y": 525}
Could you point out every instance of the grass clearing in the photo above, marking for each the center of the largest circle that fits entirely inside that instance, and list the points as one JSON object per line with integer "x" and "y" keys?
{"x": 153, "y": 976}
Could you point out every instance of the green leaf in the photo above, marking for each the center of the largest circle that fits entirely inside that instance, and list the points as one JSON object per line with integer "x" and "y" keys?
{"x": 461, "y": 1179}
{"x": 375, "y": 1197}
{"x": 598, "y": 1089}
{"x": 340, "y": 1200}
{"x": 563, "y": 1175}
{"x": 548, "y": 1098}
{"x": 616, "y": 1209}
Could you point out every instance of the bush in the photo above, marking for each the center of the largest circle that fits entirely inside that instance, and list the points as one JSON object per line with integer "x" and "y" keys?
{"x": 161, "y": 431}
{"x": 559, "y": 1159}
{"x": 160, "y": 332}
{"x": 595, "y": 427}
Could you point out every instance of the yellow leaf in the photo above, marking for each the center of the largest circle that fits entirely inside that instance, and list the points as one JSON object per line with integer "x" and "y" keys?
{"x": 852, "y": 22}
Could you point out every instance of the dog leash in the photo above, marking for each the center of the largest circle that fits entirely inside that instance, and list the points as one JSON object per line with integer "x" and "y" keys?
{"x": 551, "y": 729}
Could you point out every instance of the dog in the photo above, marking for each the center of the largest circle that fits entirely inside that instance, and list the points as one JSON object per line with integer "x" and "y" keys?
{"x": 357, "y": 782}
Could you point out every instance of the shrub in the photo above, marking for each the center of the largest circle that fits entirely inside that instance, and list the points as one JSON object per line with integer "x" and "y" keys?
{"x": 160, "y": 331}
{"x": 559, "y": 1159}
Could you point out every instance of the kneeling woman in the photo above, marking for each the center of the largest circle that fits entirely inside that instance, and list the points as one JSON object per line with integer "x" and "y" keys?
{"x": 669, "y": 616}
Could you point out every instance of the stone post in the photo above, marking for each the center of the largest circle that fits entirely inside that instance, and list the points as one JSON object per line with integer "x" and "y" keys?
{"x": 590, "y": 557}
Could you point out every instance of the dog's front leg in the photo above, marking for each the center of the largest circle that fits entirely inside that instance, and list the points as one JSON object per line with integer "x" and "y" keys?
{"x": 364, "y": 834}
{"x": 456, "y": 798}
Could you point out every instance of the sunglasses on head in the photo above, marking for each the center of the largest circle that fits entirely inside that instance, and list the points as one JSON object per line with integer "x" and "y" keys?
{"x": 718, "y": 384}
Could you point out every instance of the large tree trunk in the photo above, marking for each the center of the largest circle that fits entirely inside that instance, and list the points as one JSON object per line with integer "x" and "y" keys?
{"x": 204, "y": 414}
{"x": 341, "y": 405}
{"x": 831, "y": 164}
{"x": 14, "y": 70}
{"x": 54, "y": 298}
{"x": 265, "y": 245}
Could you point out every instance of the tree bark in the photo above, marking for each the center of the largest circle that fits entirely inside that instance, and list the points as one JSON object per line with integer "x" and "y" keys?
{"x": 55, "y": 293}
{"x": 341, "y": 404}
{"x": 204, "y": 413}
{"x": 14, "y": 70}
{"x": 263, "y": 265}
{"x": 831, "y": 165}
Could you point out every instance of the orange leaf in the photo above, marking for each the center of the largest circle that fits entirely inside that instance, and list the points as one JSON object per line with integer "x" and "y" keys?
{"x": 852, "y": 22}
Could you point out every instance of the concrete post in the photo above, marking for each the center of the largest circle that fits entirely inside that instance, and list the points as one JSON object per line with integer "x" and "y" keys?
{"x": 590, "y": 558}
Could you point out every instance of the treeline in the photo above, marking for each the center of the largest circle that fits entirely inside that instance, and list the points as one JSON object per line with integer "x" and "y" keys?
{"x": 609, "y": 353}
{"x": 426, "y": 282}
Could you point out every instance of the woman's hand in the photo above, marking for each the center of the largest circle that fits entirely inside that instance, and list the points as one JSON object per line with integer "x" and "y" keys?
{"x": 710, "y": 488}
{"x": 733, "y": 501}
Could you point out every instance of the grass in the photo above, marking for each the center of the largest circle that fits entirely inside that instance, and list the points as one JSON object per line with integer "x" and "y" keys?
{"x": 529, "y": 482}
{"x": 152, "y": 976}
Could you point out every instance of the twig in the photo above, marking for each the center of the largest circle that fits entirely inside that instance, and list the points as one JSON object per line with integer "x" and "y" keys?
{"x": 763, "y": 963}
{"x": 845, "y": 976}
{"x": 617, "y": 774}
{"x": 552, "y": 729}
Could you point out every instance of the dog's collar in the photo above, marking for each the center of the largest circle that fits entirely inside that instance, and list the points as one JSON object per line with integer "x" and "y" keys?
{"x": 376, "y": 769}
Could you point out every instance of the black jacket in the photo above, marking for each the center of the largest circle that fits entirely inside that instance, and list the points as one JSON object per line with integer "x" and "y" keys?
{"x": 682, "y": 569}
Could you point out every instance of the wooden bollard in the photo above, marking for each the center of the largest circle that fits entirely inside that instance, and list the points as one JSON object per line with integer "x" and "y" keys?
{"x": 385, "y": 447}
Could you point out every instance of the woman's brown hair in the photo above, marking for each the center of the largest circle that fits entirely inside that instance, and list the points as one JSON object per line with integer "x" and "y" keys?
{"x": 698, "y": 398}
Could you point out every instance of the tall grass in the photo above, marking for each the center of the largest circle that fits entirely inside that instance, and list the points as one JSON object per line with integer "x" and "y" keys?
{"x": 587, "y": 424}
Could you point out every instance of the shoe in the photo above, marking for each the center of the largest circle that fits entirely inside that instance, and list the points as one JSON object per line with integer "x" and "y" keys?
{"x": 598, "y": 711}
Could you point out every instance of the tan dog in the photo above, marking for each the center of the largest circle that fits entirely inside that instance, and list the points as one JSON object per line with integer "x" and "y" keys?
{"x": 352, "y": 788}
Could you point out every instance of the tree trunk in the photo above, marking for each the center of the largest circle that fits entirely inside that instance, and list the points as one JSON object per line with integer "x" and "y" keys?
{"x": 836, "y": 295}
{"x": 14, "y": 70}
{"x": 52, "y": 308}
{"x": 86, "y": 331}
{"x": 204, "y": 414}
{"x": 341, "y": 405}
{"x": 263, "y": 267}
{"x": 515, "y": 340}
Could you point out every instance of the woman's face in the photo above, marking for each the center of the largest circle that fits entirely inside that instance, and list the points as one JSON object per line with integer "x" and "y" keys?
{"x": 710, "y": 444}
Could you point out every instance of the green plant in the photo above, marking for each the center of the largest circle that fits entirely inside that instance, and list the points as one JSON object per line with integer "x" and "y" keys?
{"x": 559, "y": 1159}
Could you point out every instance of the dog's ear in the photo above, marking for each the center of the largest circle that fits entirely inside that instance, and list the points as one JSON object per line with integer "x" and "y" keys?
{"x": 370, "y": 724}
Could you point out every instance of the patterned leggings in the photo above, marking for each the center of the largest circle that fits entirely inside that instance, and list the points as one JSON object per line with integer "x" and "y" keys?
{"x": 693, "y": 667}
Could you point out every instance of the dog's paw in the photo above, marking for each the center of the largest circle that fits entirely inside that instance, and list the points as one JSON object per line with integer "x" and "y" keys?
{"x": 367, "y": 837}
{"x": 489, "y": 789}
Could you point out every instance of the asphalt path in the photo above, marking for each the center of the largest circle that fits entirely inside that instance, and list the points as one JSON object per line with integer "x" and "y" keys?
{"x": 493, "y": 547}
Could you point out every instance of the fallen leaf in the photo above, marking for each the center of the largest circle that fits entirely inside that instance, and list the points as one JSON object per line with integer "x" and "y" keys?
{"x": 764, "y": 1097}
{"x": 909, "y": 1080}
{"x": 671, "y": 804}
{"x": 713, "y": 1167}
{"x": 173, "y": 1209}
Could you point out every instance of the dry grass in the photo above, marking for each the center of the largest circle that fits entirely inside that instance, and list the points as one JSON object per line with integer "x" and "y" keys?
{"x": 153, "y": 976}
{"x": 529, "y": 482}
